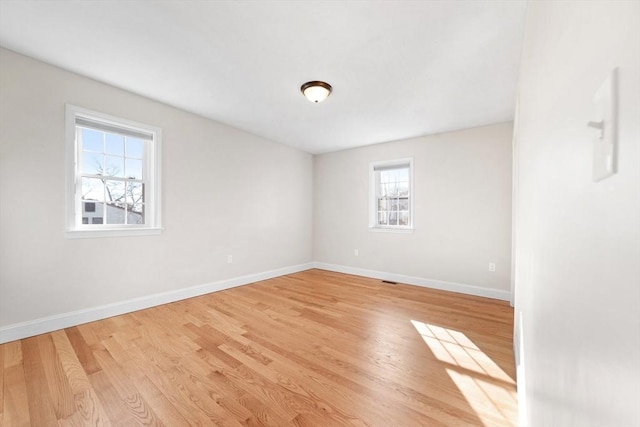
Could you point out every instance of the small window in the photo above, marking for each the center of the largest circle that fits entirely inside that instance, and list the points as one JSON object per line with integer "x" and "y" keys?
{"x": 391, "y": 201}
{"x": 113, "y": 178}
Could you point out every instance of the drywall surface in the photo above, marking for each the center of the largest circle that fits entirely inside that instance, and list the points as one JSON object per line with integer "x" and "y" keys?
{"x": 224, "y": 192}
{"x": 578, "y": 241}
{"x": 462, "y": 209}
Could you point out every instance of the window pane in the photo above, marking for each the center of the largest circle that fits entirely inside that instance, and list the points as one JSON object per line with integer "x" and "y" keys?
{"x": 92, "y": 163}
{"x": 114, "y": 144}
{"x": 381, "y": 189}
{"x": 115, "y": 192}
{"x": 114, "y": 166}
{"x": 137, "y": 216}
{"x": 135, "y": 148}
{"x": 391, "y": 176}
{"x": 92, "y": 189}
{"x": 393, "y": 218}
{"x": 135, "y": 202}
{"x": 382, "y": 218}
{"x": 404, "y": 218}
{"x": 393, "y": 190}
{"x": 111, "y": 164}
{"x": 133, "y": 168}
{"x": 115, "y": 213}
{"x": 92, "y": 140}
{"x": 116, "y": 209}
{"x": 394, "y": 175}
{"x": 400, "y": 175}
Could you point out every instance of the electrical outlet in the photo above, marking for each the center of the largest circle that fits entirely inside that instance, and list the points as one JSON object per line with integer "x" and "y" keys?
{"x": 492, "y": 267}
{"x": 356, "y": 252}
{"x": 229, "y": 259}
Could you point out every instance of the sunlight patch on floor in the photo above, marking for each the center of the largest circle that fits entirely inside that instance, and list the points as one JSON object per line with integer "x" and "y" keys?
{"x": 487, "y": 388}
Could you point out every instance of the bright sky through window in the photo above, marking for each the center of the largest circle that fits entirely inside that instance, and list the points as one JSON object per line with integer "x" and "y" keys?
{"x": 391, "y": 194}
{"x": 115, "y": 180}
{"x": 112, "y": 175}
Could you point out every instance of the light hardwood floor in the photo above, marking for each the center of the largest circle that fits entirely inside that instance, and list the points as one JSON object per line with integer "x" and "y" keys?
{"x": 314, "y": 348}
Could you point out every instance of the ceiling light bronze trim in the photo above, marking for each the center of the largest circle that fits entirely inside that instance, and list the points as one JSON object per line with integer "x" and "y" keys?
{"x": 316, "y": 83}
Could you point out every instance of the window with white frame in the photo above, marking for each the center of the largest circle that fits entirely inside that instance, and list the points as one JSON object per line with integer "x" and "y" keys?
{"x": 391, "y": 204}
{"x": 113, "y": 180}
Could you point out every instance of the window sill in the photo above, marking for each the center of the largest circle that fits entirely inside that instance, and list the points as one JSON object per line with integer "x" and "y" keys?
{"x": 391, "y": 230}
{"x": 113, "y": 232}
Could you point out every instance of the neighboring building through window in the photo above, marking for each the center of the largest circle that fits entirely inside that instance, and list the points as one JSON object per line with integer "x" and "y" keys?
{"x": 114, "y": 183}
{"x": 391, "y": 204}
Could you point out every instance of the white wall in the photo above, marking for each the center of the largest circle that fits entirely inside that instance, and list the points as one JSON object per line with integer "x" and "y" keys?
{"x": 578, "y": 242}
{"x": 462, "y": 210}
{"x": 224, "y": 192}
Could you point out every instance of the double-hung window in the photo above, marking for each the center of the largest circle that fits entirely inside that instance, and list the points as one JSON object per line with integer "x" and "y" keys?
{"x": 391, "y": 198}
{"x": 113, "y": 181}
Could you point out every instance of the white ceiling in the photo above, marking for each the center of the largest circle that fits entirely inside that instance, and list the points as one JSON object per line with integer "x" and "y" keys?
{"x": 399, "y": 69}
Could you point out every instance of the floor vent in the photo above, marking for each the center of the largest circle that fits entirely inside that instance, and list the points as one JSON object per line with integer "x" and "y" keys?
{"x": 390, "y": 282}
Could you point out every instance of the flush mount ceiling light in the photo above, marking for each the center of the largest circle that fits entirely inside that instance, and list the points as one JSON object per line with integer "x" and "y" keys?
{"x": 316, "y": 91}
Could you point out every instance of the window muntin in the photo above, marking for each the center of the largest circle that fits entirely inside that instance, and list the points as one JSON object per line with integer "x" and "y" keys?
{"x": 391, "y": 194}
{"x": 114, "y": 184}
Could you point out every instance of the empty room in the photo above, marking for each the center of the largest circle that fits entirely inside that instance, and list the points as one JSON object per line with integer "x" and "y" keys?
{"x": 320, "y": 213}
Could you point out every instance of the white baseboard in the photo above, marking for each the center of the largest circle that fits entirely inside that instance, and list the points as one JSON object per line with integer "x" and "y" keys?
{"x": 43, "y": 325}
{"x": 418, "y": 281}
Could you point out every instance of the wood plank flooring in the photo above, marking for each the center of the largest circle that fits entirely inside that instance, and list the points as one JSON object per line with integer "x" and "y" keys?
{"x": 314, "y": 348}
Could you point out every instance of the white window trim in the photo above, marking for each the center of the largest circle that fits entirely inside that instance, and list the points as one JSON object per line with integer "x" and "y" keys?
{"x": 153, "y": 223}
{"x": 373, "y": 202}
